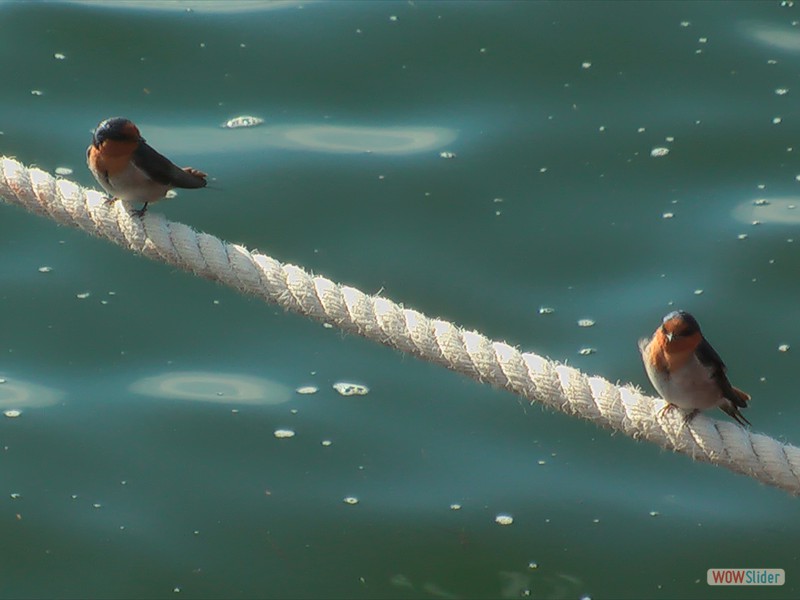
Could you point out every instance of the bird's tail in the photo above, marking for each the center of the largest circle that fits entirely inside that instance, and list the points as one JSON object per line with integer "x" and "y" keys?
{"x": 742, "y": 398}
{"x": 188, "y": 178}
{"x": 733, "y": 410}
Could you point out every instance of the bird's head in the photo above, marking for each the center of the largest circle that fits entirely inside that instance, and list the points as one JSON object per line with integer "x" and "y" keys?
{"x": 678, "y": 325}
{"x": 117, "y": 129}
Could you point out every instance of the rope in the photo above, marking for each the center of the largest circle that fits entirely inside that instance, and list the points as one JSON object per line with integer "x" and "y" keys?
{"x": 535, "y": 378}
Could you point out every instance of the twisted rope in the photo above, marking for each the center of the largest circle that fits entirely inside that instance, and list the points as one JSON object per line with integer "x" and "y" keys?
{"x": 561, "y": 387}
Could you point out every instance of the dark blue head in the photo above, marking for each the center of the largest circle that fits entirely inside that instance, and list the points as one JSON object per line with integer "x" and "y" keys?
{"x": 118, "y": 129}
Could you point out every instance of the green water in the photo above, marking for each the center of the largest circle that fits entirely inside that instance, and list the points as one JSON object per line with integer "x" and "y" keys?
{"x": 127, "y": 489}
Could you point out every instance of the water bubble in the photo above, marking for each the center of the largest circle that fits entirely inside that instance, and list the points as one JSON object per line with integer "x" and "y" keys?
{"x": 350, "y": 389}
{"x": 242, "y": 121}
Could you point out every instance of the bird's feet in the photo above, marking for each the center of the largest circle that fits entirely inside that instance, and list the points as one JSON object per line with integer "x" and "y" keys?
{"x": 667, "y": 408}
{"x": 109, "y": 201}
{"x": 139, "y": 212}
{"x": 686, "y": 417}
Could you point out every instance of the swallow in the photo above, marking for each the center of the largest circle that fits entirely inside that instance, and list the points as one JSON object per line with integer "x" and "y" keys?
{"x": 130, "y": 170}
{"x": 686, "y": 370}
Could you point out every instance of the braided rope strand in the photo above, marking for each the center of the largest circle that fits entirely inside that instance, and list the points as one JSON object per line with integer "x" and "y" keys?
{"x": 622, "y": 408}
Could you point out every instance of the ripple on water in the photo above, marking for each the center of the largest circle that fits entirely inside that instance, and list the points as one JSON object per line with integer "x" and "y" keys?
{"x": 207, "y": 386}
{"x": 16, "y": 394}
{"x": 200, "y": 6}
{"x": 780, "y": 36}
{"x": 773, "y": 210}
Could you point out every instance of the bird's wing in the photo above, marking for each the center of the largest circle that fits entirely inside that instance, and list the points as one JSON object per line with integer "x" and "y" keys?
{"x": 163, "y": 170}
{"x": 709, "y": 357}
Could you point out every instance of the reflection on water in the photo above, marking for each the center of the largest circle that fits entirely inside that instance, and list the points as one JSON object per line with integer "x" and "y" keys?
{"x": 513, "y": 584}
{"x": 210, "y": 6}
{"x": 776, "y": 36}
{"x": 772, "y": 210}
{"x": 15, "y": 393}
{"x": 205, "y": 386}
{"x": 381, "y": 140}
{"x": 346, "y": 139}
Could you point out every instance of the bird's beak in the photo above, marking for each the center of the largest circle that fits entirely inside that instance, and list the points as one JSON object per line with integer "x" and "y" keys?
{"x": 669, "y": 336}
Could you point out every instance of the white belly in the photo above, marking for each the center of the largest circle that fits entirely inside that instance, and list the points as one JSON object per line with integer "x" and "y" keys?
{"x": 132, "y": 185}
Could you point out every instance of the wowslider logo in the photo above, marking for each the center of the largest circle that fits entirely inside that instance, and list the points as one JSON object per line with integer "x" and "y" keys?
{"x": 746, "y": 577}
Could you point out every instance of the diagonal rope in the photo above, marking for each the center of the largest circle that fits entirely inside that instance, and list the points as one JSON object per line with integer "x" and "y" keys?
{"x": 526, "y": 374}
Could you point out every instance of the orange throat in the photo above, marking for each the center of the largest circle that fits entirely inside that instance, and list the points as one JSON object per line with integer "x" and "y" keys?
{"x": 668, "y": 356}
{"x": 113, "y": 156}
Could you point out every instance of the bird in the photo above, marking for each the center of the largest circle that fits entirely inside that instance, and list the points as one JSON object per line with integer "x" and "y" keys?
{"x": 130, "y": 170}
{"x": 686, "y": 370}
